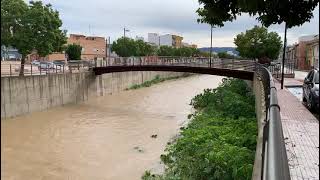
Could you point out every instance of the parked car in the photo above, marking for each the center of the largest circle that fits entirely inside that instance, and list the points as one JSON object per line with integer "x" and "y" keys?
{"x": 46, "y": 65}
{"x": 36, "y": 63}
{"x": 311, "y": 90}
{"x": 59, "y": 64}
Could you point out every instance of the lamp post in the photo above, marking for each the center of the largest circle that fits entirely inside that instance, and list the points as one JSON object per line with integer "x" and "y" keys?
{"x": 210, "y": 47}
{"x": 283, "y": 54}
{"x": 124, "y": 31}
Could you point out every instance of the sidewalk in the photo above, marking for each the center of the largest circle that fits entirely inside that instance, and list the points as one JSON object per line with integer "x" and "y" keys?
{"x": 301, "y": 133}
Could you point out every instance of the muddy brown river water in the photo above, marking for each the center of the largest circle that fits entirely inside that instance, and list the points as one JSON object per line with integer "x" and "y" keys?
{"x": 105, "y": 138}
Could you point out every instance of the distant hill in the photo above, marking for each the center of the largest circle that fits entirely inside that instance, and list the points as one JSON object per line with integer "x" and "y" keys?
{"x": 219, "y": 49}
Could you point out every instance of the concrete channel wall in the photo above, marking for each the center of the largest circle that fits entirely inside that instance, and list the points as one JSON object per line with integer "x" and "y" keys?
{"x": 23, "y": 95}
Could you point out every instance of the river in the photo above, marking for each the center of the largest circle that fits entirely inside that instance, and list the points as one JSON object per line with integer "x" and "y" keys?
{"x": 105, "y": 138}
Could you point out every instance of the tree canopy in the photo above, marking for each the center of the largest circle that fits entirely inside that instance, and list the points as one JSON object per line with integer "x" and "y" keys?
{"x": 127, "y": 47}
{"x": 294, "y": 13}
{"x": 32, "y": 27}
{"x": 183, "y": 51}
{"x": 74, "y": 52}
{"x": 124, "y": 47}
{"x": 225, "y": 55}
{"x": 258, "y": 43}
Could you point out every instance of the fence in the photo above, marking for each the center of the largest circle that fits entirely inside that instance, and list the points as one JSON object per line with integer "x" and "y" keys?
{"x": 247, "y": 65}
{"x": 276, "y": 68}
{"x": 274, "y": 157}
{"x": 43, "y": 69}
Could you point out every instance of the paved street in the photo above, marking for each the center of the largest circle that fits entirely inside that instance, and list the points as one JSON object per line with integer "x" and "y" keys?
{"x": 301, "y": 133}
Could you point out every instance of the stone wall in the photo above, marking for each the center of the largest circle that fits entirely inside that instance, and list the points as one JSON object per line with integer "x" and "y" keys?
{"x": 22, "y": 95}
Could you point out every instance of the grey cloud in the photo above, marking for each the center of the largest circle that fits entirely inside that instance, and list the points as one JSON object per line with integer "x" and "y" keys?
{"x": 108, "y": 17}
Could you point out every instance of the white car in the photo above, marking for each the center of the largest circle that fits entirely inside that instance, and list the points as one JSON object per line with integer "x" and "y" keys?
{"x": 35, "y": 62}
{"x": 46, "y": 65}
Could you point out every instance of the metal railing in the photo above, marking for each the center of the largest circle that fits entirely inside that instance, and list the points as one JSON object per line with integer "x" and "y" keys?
{"x": 274, "y": 156}
{"x": 33, "y": 70}
{"x": 74, "y": 67}
{"x": 247, "y": 65}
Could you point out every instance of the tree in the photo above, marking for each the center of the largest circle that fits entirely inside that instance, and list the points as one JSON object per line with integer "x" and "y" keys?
{"x": 143, "y": 49}
{"x": 12, "y": 12}
{"x": 124, "y": 47}
{"x": 225, "y": 55}
{"x": 165, "y": 51}
{"x": 74, "y": 52}
{"x": 35, "y": 27}
{"x": 258, "y": 43}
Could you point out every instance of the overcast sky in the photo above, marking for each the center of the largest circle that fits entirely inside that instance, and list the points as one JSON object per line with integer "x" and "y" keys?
{"x": 109, "y": 17}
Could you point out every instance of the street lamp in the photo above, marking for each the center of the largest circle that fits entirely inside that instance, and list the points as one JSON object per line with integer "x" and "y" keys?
{"x": 124, "y": 31}
{"x": 210, "y": 47}
{"x": 284, "y": 53}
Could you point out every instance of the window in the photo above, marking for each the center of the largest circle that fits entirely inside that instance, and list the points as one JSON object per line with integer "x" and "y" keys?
{"x": 316, "y": 78}
{"x": 310, "y": 75}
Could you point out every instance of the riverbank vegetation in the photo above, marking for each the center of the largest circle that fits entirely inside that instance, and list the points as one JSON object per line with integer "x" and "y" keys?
{"x": 220, "y": 140}
{"x": 156, "y": 80}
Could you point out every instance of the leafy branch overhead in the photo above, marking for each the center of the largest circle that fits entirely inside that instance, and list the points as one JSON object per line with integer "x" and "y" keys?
{"x": 293, "y": 12}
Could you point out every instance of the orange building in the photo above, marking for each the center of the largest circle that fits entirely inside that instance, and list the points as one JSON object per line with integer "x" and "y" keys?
{"x": 93, "y": 47}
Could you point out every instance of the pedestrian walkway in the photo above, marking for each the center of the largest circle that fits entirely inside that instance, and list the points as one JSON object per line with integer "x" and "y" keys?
{"x": 301, "y": 133}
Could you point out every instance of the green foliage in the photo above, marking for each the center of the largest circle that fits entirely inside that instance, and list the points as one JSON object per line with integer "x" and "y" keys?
{"x": 12, "y": 12}
{"x": 74, "y": 52}
{"x": 219, "y": 142}
{"x": 165, "y": 51}
{"x": 182, "y": 52}
{"x": 225, "y": 55}
{"x": 143, "y": 49}
{"x": 258, "y": 43}
{"x": 127, "y": 47}
{"x": 294, "y": 13}
{"x": 124, "y": 47}
{"x": 31, "y": 27}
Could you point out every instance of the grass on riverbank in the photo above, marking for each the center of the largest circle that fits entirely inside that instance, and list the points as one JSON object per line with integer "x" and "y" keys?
{"x": 156, "y": 80}
{"x": 220, "y": 140}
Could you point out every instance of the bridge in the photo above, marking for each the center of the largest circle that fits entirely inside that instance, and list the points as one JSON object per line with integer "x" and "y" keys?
{"x": 271, "y": 162}
{"x": 243, "y": 69}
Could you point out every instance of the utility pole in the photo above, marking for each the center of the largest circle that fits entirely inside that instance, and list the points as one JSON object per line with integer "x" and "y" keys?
{"x": 284, "y": 54}
{"x": 109, "y": 49}
{"x": 211, "y": 47}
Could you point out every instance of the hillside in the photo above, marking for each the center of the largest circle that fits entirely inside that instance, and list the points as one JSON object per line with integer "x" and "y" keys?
{"x": 219, "y": 49}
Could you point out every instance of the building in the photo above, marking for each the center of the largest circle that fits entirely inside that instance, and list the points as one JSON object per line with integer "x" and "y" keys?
{"x": 177, "y": 41}
{"x": 165, "y": 40}
{"x": 194, "y": 46}
{"x": 154, "y": 39}
{"x": 312, "y": 56}
{"x": 93, "y": 47}
{"x": 304, "y": 54}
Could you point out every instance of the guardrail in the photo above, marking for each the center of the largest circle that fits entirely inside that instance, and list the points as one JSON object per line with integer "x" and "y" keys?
{"x": 32, "y": 70}
{"x": 274, "y": 156}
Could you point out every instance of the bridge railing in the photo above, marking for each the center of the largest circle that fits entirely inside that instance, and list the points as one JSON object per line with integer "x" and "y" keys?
{"x": 248, "y": 65}
{"x": 274, "y": 157}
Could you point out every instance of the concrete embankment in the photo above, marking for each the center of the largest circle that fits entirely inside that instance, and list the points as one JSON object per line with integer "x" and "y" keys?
{"x": 22, "y": 95}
